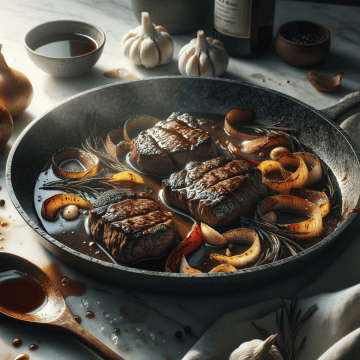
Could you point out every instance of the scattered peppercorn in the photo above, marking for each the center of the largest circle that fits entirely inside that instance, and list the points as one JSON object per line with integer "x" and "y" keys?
{"x": 2, "y": 202}
{"x": 187, "y": 329}
{"x": 179, "y": 334}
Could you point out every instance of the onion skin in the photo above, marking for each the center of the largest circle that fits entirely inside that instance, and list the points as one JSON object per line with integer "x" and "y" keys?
{"x": 246, "y": 258}
{"x": 303, "y": 230}
{"x": 16, "y": 91}
{"x": 52, "y": 205}
{"x": 297, "y": 179}
{"x": 193, "y": 240}
{"x": 316, "y": 197}
{"x": 6, "y": 126}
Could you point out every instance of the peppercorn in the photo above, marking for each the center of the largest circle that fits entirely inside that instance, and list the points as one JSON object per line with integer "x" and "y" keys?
{"x": 179, "y": 334}
{"x": 187, "y": 329}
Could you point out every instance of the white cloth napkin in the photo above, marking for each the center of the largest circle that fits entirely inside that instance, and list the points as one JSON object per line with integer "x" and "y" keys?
{"x": 332, "y": 332}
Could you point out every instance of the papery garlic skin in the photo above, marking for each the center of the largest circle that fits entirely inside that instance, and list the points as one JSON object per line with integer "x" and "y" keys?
{"x": 148, "y": 45}
{"x": 257, "y": 350}
{"x": 203, "y": 56}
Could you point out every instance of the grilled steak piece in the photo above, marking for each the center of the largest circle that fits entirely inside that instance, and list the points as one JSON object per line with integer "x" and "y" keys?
{"x": 215, "y": 192}
{"x": 131, "y": 225}
{"x": 170, "y": 145}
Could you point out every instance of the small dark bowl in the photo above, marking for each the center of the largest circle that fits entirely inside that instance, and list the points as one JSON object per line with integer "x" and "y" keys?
{"x": 64, "y": 66}
{"x": 297, "y": 54}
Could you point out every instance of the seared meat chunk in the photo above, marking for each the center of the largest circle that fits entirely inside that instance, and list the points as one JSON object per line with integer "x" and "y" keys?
{"x": 215, "y": 192}
{"x": 170, "y": 145}
{"x": 131, "y": 225}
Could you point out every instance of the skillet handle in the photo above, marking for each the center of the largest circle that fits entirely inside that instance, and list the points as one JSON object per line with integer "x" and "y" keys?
{"x": 350, "y": 105}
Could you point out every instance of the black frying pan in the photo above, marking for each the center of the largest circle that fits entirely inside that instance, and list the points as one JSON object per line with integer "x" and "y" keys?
{"x": 114, "y": 104}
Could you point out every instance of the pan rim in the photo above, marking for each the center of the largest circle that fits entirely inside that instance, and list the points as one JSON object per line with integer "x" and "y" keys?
{"x": 279, "y": 263}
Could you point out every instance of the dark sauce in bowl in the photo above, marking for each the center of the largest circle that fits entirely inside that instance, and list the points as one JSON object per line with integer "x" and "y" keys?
{"x": 66, "y": 45}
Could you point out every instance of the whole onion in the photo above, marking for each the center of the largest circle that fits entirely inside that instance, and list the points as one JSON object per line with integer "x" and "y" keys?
{"x": 16, "y": 91}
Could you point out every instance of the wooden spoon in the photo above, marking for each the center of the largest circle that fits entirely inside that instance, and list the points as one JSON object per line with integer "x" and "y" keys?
{"x": 53, "y": 313}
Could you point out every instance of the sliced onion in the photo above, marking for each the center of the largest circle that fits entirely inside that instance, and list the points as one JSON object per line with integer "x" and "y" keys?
{"x": 278, "y": 151}
{"x": 235, "y": 151}
{"x": 52, "y": 205}
{"x": 238, "y": 117}
{"x": 249, "y": 255}
{"x": 258, "y": 145}
{"x": 211, "y": 236}
{"x": 121, "y": 147}
{"x": 89, "y": 161}
{"x": 293, "y": 180}
{"x": 317, "y": 197}
{"x": 223, "y": 268}
{"x": 303, "y": 230}
{"x": 312, "y": 161}
{"x": 185, "y": 268}
{"x": 193, "y": 240}
{"x": 124, "y": 177}
{"x": 138, "y": 123}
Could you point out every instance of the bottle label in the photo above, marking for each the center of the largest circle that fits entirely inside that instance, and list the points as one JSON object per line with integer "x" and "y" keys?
{"x": 233, "y": 17}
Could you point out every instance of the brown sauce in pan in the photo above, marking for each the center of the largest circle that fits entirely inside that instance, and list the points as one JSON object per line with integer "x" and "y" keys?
{"x": 76, "y": 235}
{"x": 20, "y": 293}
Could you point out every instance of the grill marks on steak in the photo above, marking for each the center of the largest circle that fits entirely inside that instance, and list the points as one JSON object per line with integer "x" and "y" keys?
{"x": 215, "y": 192}
{"x": 131, "y": 225}
{"x": 170, "y": 144}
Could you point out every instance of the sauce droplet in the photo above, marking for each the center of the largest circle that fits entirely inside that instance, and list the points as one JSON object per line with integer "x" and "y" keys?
{"x": 17, "y": 343}
{"x": 116, "y": 330}
{"x": 22, "y": 357}
{"x": 33, "y": 347}
{"x": 90, "y": 314}
{"x": 77, "y": 319}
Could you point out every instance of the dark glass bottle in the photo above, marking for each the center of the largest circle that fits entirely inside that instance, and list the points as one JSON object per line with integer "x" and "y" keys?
{"x": 245, "y": 27}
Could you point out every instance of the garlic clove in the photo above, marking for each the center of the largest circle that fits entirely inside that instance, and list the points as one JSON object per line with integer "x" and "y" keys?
{"x": 127, "y": 45}
{"x": 325, "y": 83}
{"x": 134, "y": 53}
{"x": 184, "y": 58}
{"x": 149, "y": 54}
{"x": 165, "y": 46}
{"x": 217, "y": 58}
{"x": 192, "y": 66}
{"x": 206, "y": 68}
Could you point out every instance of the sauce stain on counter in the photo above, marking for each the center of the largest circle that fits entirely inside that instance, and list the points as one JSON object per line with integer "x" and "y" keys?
{"x": 90, "y": 315}
{"x": 121, "y": 74}
{"x": 67, "y": 286}
{"x": 33, "y": 347}
{"x": 22, "y": 357}
{"x": 17, "y": 343}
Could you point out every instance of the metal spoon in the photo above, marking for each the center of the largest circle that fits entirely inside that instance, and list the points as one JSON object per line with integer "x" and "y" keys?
{"x": 54, "y": 314}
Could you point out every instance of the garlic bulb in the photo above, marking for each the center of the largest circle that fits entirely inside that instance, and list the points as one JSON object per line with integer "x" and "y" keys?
{"x": 148, "y": 44}
{"x": 203, "y": 57}
{"x": 257, "y": 350}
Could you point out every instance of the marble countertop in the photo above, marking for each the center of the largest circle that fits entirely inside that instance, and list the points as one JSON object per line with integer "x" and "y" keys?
{"x": 147, "y": 322}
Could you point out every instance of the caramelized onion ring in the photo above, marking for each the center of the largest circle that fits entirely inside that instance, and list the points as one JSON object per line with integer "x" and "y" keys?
{"x": 293, "y": 180}
{"x": 311, "y": 160}
{"x": 278, "y": 151}
{"x": 88, "y": 160}
{"x": 52, "y": 205}
{"x": 235, "y": 117}
{"x": 118, "y": 150}
{"x": 249, "y": 255}
{"x": 141, "y": 122}
{"x": 185, "y": 268}
{"x": 317, "y": 197}
{"x": 258, "y": 145}
{"x": 193, "y": 240}
{"x": 303, "y": 230}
